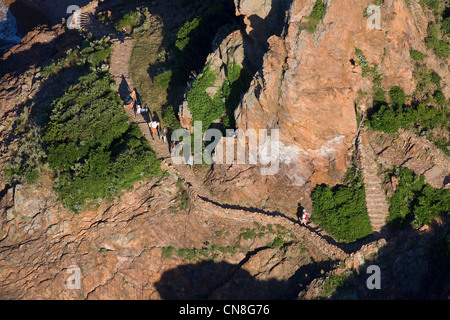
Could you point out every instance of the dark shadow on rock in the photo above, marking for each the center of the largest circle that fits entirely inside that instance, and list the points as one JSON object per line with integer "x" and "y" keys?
{"x": 346, "y": 247}
{"x": 124, "y": 88}
{"x": 299, "y": 212}
{"x": 255, "y": 44}
{"x": 27, "y": 17}
{"x": 446, "y": 180}
{"x": 208, "y": 280}
{"x": 40, "y": 52}
{"x": 413, "y": 265}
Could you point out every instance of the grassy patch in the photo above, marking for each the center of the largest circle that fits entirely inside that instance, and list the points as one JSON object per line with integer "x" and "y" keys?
{"x": 314, "y": 17}
{"x": 90, "y": 53}
{"x": 334, "y": 282}
{"x": 182, "y": 197}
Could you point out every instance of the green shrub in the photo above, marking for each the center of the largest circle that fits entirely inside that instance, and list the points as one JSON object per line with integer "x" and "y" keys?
{"x": 417, "y": 55}
{"x": 162, "y": 81}
{"x": 314, "y": 17}
{"x": 435, "y": 78}
{"x": 390, "y": 119}
{"x": 92, "y": 146}
{"x": 96, "y": 58}
{"x": 205, "y": 108}
{"x": 414, "y": 202}
{"x": 185, "y": 33}
{"x": 88, "y": 52}
{"x": 361, "y": 61}
{"x": 432, "y": 41}
{"x": 341, "y": 211}
{"x": 445, "y": 26}
{"x": 420, "y": 115}
{"x": 318, "y": 11}
{"x": 26, "y": 162}
{"x": 432, "y": 4}
{"x": 169, "y": 118}
{"x": 130, "y": 19}
{"x": 334, "y": 282}
{"x": 428, "y": 81}
{"x": 439, "y": 98}
{"x": 193, "y": 39}
{"x": 397, "y": 95}
{"x": 166, "y": 252}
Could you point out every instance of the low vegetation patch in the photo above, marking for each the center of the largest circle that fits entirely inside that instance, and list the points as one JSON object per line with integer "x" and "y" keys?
{"x": 417, "y": 55}
{"x": 438, "y": 30}
{"x": 83, "y": 55}
{"x": 341, "y": 210}
{"x": 92, "y": 146}
{"x": 414, "y": 202}
{"x": 427, "y": 114}
{"x": 165, "y": 56}
{"x": 314, "y": 18}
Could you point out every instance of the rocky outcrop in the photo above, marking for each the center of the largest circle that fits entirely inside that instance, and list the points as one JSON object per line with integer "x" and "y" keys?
{"x": 413, "y": 152}
{"x": 141, "y": 247}
{"x": 228, "y": 51}
{"x": 307, "y": 88}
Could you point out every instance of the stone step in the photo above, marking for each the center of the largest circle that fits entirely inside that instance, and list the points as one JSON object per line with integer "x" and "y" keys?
{"x": 378, "y": 211}
{"x": 375, "y": 201}
{"x": 377, "y": 215}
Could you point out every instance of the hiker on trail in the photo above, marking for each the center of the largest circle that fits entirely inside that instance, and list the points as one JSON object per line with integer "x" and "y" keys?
{"x": 191, "y": 160}
{"x": 172, "y": 147}
{"x": 305, "y": 217}
{"x": 124, "y": 29}
{"x": 165, "y": 132}
{"x": 140, "y": 110}
{"x": 154, "y": 128}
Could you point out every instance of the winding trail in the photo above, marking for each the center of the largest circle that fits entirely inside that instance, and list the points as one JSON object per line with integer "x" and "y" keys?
{"x": 323, "y": 246}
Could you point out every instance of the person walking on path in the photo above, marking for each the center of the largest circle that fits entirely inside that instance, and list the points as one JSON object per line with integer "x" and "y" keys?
{"x": 140, "y": 109}
{"x": 165, "y": 132}
{"x": 191, "y": 161}
{"x": 154, "y": 128}
{"x": 305, "y": 217}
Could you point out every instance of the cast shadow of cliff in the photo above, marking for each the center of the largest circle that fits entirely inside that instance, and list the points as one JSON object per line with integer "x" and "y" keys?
{"x": 210, "y": 280}
{"x": 204, "y": 40}
{"x": 413, "y": 265}
{"x": 256, "y": 41}
{"x": 27, "y": 17}
{"x": 17, "y": 62}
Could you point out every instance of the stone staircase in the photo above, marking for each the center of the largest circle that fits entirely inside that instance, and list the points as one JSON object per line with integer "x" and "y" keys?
{"x": 376, "y": 203}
